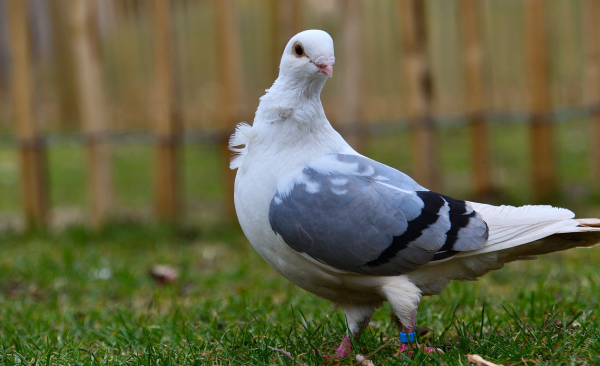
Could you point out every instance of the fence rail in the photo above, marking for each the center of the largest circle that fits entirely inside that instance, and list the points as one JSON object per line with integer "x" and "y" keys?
{"x": 191, "y": 69}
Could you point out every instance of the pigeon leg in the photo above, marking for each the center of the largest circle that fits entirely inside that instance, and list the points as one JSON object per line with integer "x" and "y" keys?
{"x": 404, "y": 297}
{"x": 358, "y": 318}
{"x": 408, "y": 342}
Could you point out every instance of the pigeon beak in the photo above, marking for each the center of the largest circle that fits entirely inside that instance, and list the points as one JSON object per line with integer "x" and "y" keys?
{"x": 326, "y": 69}
{"x": 325, "y": 65}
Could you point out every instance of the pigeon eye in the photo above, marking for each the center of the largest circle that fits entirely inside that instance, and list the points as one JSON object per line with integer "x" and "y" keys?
{"x": 298, "y": 50}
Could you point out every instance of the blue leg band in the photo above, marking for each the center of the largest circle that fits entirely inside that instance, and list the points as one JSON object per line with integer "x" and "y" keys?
{"x": 404, "y": 337}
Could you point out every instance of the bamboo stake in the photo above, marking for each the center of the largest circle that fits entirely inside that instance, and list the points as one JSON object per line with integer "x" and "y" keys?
{"x": 166, "y": 127}
{"x": 121, "y": 54}
{"x": 278, "y": 29}
{"x": 540, "y": 104}
{"x": 296, "y": 16}
{"x": 63, "y": 60}
{"x": 232, "y": 86}
{"x": 33, "y": 159}
{"x": 591, "y": 18}
{"x": 286, "y": 17}
{"x": 349, "y": 105}
{"x": 420, "y": 91}
{"x": 476, "y": 99}
{"x": 93, "y": 107}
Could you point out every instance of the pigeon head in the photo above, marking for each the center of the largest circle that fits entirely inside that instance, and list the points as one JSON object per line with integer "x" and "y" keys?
{"x": 308, "y": 56}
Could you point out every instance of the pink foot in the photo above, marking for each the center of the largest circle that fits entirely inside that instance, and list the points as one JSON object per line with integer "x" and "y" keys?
{"x": 409, "y": 348}
{"x": 344, "y": 350}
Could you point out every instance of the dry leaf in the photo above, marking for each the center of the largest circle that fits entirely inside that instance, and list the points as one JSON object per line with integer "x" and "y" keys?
{"x": 362, "y": 360}
{"x": 478, "y": 361}
{"x": 163, "y": 274}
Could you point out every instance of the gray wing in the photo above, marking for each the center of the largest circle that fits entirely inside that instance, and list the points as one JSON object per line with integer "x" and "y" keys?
{"x": 358, "y": 215}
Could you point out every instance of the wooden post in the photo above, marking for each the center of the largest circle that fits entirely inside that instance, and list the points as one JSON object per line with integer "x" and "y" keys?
{"x": 92, "y": 106}
{"x": 166, "y": 127}
{"x": 420, "y": 91}
{"x": 295, "y": 16}
{"x": 351, "y": 69}
{"x": 63, "y": 65}
{"x": 33, "y": 159}
{"x": 540, "y": 103}
{"x": 232, "y": 86}
{"x": 591, "y": 34}
{"x": 476, "y": 99}
{"x": 286, "y": 17}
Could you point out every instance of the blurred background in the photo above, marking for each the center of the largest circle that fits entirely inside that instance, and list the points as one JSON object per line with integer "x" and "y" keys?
{"x": 118, "y": 109}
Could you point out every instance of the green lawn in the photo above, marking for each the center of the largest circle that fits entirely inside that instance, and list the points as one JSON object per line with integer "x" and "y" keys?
{"x": 75, "y": 296}
{"x": 78, "y": 297}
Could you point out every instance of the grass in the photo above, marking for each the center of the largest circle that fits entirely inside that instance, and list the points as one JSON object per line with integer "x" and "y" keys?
{"x": 83, "y": 297}
{"x": 77, "y": 296}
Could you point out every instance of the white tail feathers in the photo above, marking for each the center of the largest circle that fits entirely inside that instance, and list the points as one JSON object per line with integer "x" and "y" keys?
{"x": 241, "y": 137}
{"x": 544, "y": 230}
{"x": 524, "y": 215}
{"x": 511, "y": 227}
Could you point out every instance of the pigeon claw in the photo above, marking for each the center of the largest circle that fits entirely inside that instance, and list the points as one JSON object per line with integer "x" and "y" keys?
{"x": 408, "y": 349}
{"x": 343, "y": 351}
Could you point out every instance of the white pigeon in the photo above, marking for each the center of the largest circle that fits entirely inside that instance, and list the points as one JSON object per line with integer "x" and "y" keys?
{"x": 355, "y": 231}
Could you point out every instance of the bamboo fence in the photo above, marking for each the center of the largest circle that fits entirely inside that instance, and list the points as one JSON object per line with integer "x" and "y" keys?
{"x": 177, "y": 67}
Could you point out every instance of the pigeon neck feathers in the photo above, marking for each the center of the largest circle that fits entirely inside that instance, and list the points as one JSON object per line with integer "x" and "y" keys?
{"x": 290, "y": 118}
{"x": 306, "y": 64}
{"x": 292, "y": 100}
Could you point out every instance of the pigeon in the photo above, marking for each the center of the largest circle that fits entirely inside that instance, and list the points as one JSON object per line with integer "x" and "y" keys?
{"x": 355, "y": 231}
